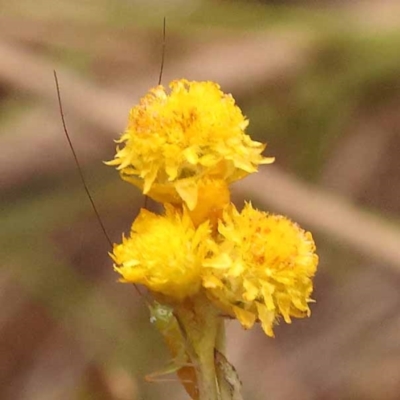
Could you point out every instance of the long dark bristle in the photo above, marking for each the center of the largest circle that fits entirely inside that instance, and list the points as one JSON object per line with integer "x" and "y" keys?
{"x": 82, "y": 177}
{"x": 163, "y": 51}
{"x": 83, "y": 180}
{"x": 146, "y": 198}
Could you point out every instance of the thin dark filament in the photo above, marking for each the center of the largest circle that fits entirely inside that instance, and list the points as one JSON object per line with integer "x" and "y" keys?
{"x": 162, "y": 51}
{"x": 83, "y": 180}
{"x": 146, "y": 198}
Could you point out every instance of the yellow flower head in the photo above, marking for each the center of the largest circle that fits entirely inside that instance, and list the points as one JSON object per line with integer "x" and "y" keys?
{"x": 262, "y": 268}
{"x": 175, "y": 139}
{"x": 164, "y": 253}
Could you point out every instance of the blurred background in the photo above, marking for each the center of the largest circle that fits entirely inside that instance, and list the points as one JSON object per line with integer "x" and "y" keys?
{"x": 319, "y": 81}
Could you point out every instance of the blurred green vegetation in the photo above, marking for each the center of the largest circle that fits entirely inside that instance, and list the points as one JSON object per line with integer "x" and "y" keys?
{"x": 348, "y": 73}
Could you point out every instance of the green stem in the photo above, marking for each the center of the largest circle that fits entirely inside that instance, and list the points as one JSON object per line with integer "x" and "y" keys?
{"x": 199, "y": 321}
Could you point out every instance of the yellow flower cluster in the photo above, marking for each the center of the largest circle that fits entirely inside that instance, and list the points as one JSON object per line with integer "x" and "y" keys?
{"x": 175, "y": 140}
{"x": 261, "y": 268}
{"x": 164, "y": 253}
{"x": 183, "y": 149}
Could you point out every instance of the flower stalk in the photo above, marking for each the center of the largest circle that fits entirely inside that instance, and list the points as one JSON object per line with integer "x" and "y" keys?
{"x": 200, "y": 321}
